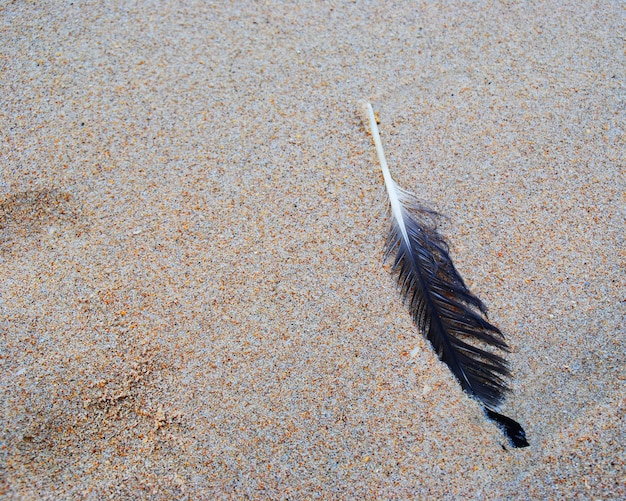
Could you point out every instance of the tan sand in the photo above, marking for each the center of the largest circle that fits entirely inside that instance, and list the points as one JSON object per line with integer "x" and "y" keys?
{"x": 194, "y": 304}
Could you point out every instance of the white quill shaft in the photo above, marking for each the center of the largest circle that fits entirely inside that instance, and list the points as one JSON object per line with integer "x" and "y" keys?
{"x": 390, "y": 184}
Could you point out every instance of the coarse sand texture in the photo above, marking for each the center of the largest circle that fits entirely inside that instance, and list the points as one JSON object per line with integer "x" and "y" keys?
{"x": 194, "y": 301}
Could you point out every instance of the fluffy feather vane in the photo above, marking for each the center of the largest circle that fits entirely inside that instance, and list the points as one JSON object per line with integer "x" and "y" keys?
{"x": 442, "y": 307}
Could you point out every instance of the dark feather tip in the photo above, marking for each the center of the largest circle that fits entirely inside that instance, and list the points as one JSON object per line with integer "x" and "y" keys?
{"x": 511, "y": 428}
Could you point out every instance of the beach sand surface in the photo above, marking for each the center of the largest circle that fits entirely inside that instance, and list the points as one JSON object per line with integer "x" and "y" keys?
{"x": 194, "y": 303}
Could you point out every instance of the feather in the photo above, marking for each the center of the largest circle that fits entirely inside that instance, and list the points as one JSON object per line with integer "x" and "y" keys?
{"x": 443, "y": 308}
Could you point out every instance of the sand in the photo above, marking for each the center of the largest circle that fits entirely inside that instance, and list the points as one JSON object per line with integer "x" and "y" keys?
{"x": 194, "y": 302}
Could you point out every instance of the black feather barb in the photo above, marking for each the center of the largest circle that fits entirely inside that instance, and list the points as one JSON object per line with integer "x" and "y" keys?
{"x": 451, "y": 317}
